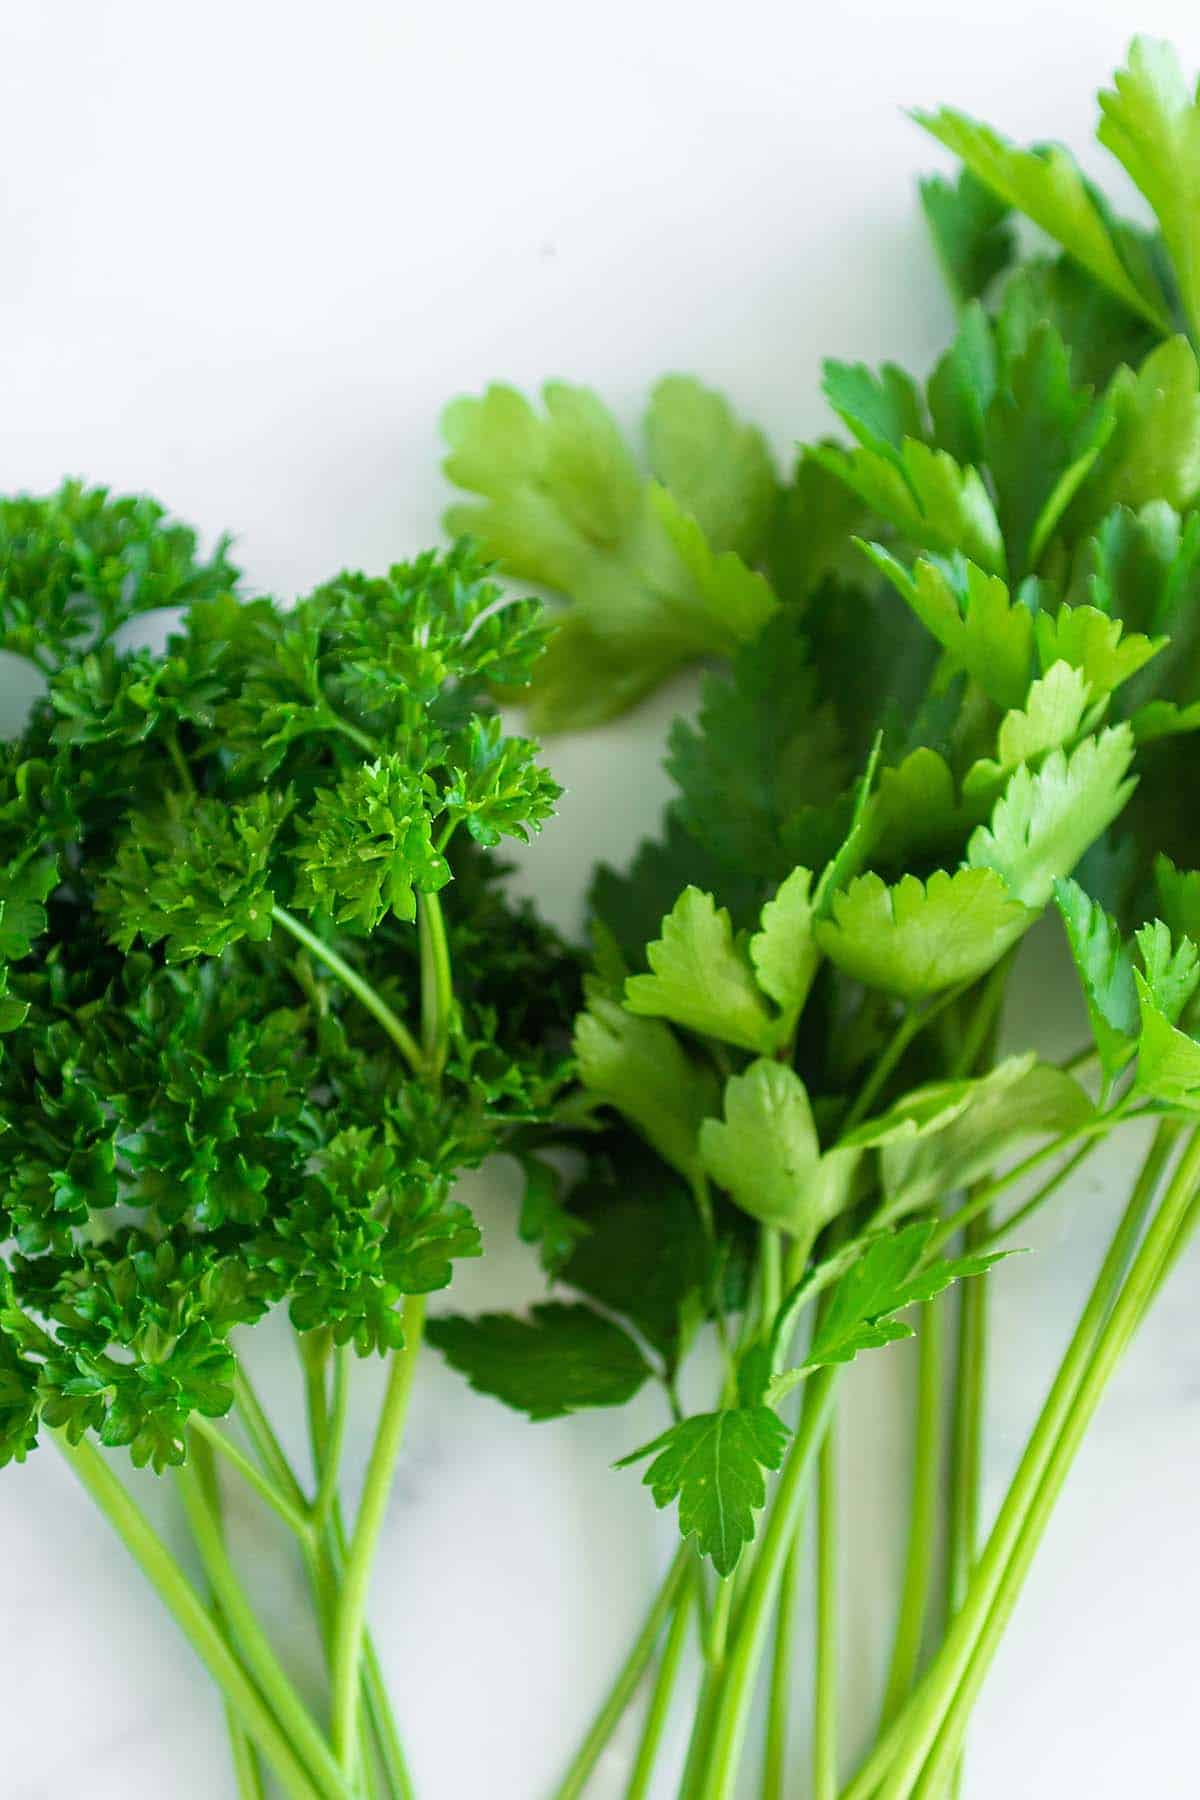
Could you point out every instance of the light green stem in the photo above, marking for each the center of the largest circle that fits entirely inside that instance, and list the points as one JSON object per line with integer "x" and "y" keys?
{"x": 437, "y": 988}
{"x": 246, "y": 1769}
{"x": 664, "y": 1693}
{"x": 362, "y": 990}
{"x": 966, "y": 1450}
{"x": 923, "y": 1509}
{"x": 628, "y": 1678}
{"x": 295, "y": 1518}
{"x": 911, "y": 1734}
{"x": 260, "y": 1657}
{"x": 754, "y": 1614}
{"x": 267, "y": 1447}
{"x": 1167, "y": 1235}
{"x": 779, "y": 1702}
{"x": 352, "y": 1601}
{"x": 825, "y": 1697}
{"x": 329, "y": 1461}
{"x": 193, "y": 1618}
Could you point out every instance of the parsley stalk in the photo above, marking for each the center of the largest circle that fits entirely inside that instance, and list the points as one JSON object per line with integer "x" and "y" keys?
{"x": 351, "y": 1614}
{"x": 193, "y": 1617}
{"x": 900, "y": 1751}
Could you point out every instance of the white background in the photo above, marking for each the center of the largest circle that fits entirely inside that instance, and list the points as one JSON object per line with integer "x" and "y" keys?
{"x": 248, "y": 251}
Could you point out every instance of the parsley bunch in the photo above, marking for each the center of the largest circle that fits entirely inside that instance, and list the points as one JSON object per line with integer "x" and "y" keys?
{"x": 263, "y": 1002}
{"x": 963, "y": 698}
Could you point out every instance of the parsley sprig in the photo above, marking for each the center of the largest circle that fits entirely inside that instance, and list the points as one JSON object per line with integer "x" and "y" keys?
{"x": 967, "y": 705}
{"x": 264, "y": 1002}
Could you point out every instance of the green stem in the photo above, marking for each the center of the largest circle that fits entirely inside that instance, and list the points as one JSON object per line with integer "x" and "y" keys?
{"x": 754, "y": 1615}
{"x": 988, "y": 1192}
{"x": 1163, "y": 1240}
{"x": 664, "y": 1693}
{"x": 771, "y": 1276}
{"x": 296, "y": 1518}
{"x": 243, "y": 1623}
{"x": 352, "y": 1602}
{"x": 266, "y": 1445}
{"x": 910, "y": 1026}
{"x": 193, "y": 1618}
{"x": 911, "y": 1733}
{"x": 362, "y": 990}
{"x": 247, "y": 1772}
{"x": 779, "y": 1703}
{"x": 825, "y": 1696}
{"x": 175, "y": 752}
{"x": 966, "y": 1446}
{"x": 437, "y": 988}
{"x": 717, "y": 1635}
{"x": 325, "y": 1559}
{"x": 628, "y": 1678}
{"x": 923, "y": 1510}
{"x": 330, "y": 1461}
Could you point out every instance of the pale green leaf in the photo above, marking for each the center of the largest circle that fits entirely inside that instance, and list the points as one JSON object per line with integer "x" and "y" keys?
{"x": 1151, "y": 123}
{"x": 930, "y": 499}
{"x": 917, "y": 938}
{"x": 1153, "y": 450}
{"x": 784, "y": 951}
{"x": 1050, "y": 719}
{"x": 765, "y": 1152}
{"x": 639, "y": 1067}
{"x": 916, "y": 811}
{"x": 1105, "y": 970}
{"x": 1172, "y": 971}
{"x": 1168, "y": 1059}
{"x": 1050, "y": 190}
{"x": 981, "y": 628}
{"x": 1047, "y": 817}
{"x": 700, "y": 979}
{"x": 718, "y": 468}
{"x": 1098, "y": 646}
{"x": 1019, "y": 1098}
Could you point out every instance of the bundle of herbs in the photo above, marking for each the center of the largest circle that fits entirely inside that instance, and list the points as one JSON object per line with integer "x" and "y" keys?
{"x": 264, "y": 999}
{"x": 963, "y": 671}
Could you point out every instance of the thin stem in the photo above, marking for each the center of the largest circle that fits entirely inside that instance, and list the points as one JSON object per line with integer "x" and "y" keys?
{"x": 985, "y": 1195}
{"x": 966, "y": 1446}
{"x": 325, "y": 1559}
{"x": 779, "y": 1703}
{"x": 909, "y": 1027}
{"x": 272, "y": 1678}
{"x": 771, "y": 1276}
{"x": 912, "y": 1732}
{"x": 762, "y": 1589}
{"x": 192, "y": 1616}
{"x": 352, "y": 1602}
{"x": 247, "y": 1772}
{"x": 267, "y": 1447}
{"x": 628, "y": 1678}
{"x": 923, "y": 1510}
{"x": 1158, "y": 1251}
{"x": 362, "y": 990}
{"x": 437, "y": 988}
{"x": 825, "y": 1696}
{"x": 175, "y": 752}
{"x": 717, "y": 1635}
{"x": 1025, "y": 1211}
{"x": 335, "y": 1435}
{"x": 661, "y": 1698}
{"x": 297, "y": 1519}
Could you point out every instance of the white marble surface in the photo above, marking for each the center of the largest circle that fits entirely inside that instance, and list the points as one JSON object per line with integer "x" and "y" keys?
{"x": 248, "y": 252}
